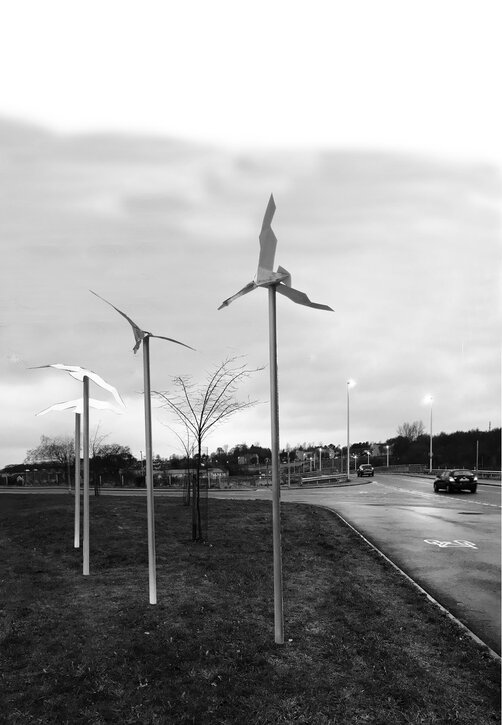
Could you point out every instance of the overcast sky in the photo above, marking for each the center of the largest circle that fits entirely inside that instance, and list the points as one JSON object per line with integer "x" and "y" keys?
{"x": 139, "y": 144}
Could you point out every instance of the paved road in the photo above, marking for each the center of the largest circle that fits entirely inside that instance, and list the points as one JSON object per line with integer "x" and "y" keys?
{"x": 448, "y": 543}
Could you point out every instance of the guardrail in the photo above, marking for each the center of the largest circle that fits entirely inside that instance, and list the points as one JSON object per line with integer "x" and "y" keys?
{"x": 423, "y": 470}
{"x": 488, "y": 474}
{"x": 327, "y": 478}
{"x": 479, "y": 474}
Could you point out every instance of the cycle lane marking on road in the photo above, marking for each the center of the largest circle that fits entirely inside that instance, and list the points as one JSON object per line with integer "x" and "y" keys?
{"x": 456, "y": 543}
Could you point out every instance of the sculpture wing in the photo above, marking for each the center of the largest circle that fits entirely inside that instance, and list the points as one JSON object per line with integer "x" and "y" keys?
{"x": 79, "y": 373}
{"x": 268, "y": 244}
{"x": 139, "y": 334}
{"x": 103, "y": 384}
{"x": 103, "y": 405}
{"x": 171, "y": 340}
{"x": 58, "y": 366}
{"x": 75, "y": 371}
{"x": 244, "y": 291}
{"x": 300, "y": 297}
{"x": 78, "y": 406}
{"x": 68, "y": 405}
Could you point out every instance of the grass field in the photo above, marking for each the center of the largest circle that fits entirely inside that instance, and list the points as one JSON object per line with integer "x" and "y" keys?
{"x": 362, "y": 646}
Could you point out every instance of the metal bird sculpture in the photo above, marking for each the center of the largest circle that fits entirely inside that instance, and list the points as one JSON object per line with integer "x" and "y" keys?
{"x": 142, "y": 336}
{"x": 265, "y": 276}
{"x": 279, "y": 281}
{"x": 84, "y": 376}
{"x": 79, "y": 373}
{"x": 77, "y": 406}
{"x": 139, "y": 334}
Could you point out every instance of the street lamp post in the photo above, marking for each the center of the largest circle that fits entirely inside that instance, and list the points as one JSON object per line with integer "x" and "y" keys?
{"x": 429, "y": 399}
{"x": 387, "y": 447}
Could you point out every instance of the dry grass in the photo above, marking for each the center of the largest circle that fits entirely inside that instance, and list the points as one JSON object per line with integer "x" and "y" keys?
{"x": 361, "y": 645}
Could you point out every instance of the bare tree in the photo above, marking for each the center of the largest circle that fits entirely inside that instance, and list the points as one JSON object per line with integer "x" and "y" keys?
{"x": 189, "y": 450}
{"x": 201, "y": 407}
{"x": 411, "y": 430}
{"x": 52, "y": 450}
{"x": 96, "y": 442}
{"x": 95, "y": 448}
{"x": 59, "y": 450}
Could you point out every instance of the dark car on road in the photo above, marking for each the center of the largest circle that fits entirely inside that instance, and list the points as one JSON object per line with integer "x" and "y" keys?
{"x": 365, "y": 469}
{"x": 456, "y": 479}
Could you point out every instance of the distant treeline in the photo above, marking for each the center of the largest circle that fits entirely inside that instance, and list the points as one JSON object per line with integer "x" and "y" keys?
{"x": 114, "y": 462}
{"x": 462, "y": 449}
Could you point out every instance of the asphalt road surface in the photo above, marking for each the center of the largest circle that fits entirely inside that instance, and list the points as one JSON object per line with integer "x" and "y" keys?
{"x": 448, "y": 543}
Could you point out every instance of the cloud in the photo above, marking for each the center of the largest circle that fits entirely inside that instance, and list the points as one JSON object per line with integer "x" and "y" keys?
{"x": 404, "y": 248}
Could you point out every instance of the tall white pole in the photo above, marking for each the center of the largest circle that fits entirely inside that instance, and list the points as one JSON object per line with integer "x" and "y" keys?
{"x": 76, "y": 540}
{"x": 152, "y": 576}
{"x": 276, "y": 488}
{"x": 85, "y": 437}
{"x": 348, "y": 430}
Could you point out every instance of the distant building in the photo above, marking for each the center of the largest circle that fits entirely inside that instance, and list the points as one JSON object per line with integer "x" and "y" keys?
{"x": 248, "y": 459}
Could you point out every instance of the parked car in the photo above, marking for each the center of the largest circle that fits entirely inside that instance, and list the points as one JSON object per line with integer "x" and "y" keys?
{"x": 456, "y": 479}
{"x": 365, "y": 469}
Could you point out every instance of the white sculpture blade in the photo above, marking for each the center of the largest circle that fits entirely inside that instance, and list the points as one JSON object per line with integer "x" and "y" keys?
{"x": 77, "y": 406}
{"x": 170, "y": 339}
{"x": 268, "y": 244}
{"x": 139, "y": 334}
{"x": 244, "y": 291}
{"x": 79, "y": 373}
{"x": 300, "y": 297}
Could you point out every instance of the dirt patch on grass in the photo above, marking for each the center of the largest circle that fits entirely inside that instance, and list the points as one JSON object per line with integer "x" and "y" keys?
{"x": 362, "y": 646}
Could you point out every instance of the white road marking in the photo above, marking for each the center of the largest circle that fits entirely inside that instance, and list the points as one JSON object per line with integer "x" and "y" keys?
{"x": 456, "y": 543}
